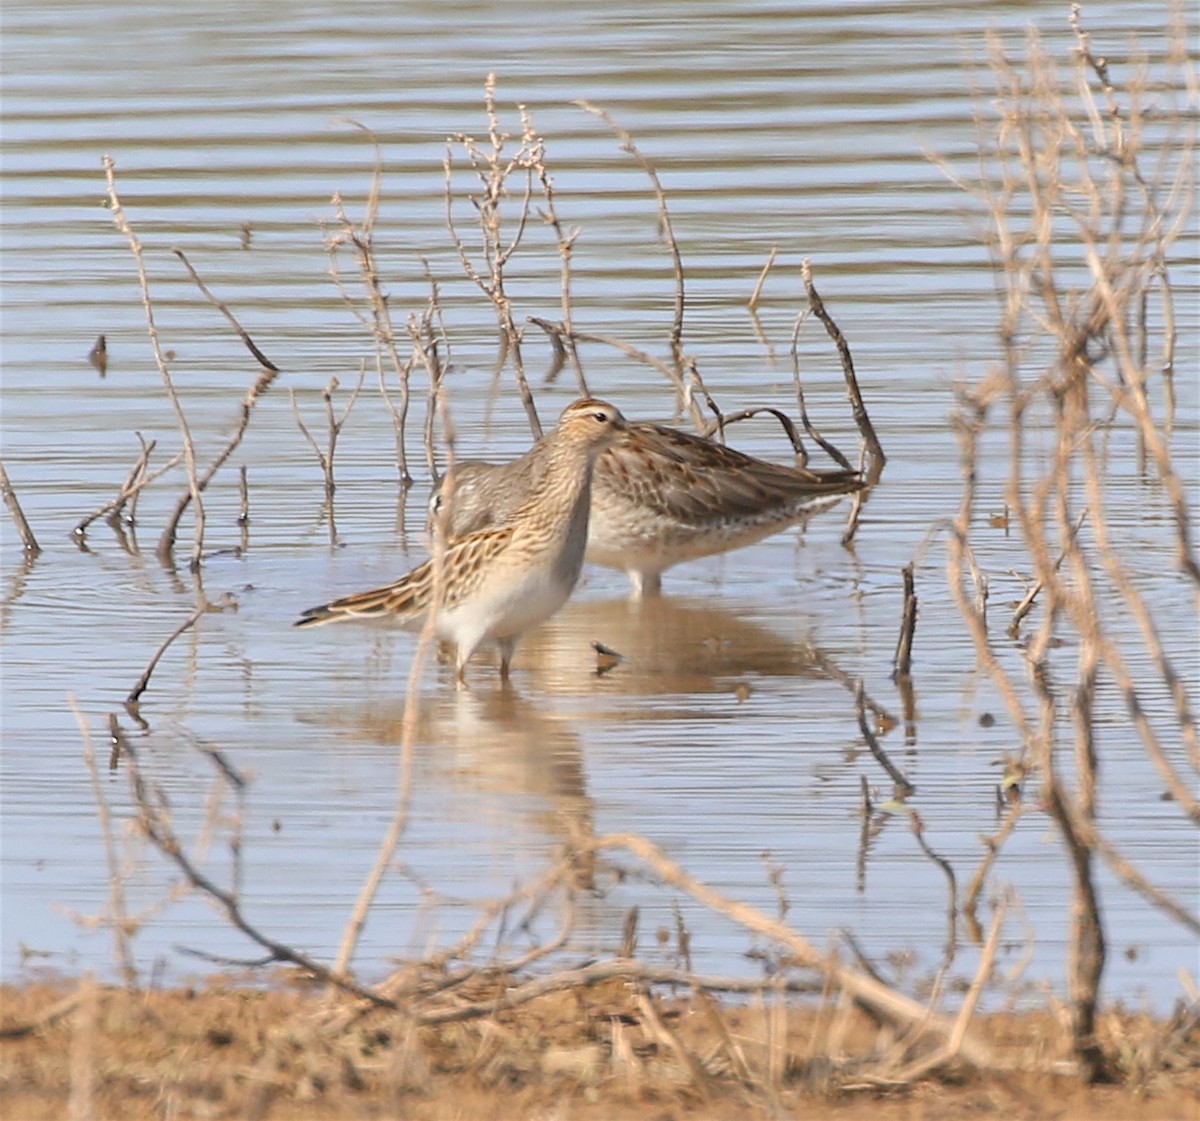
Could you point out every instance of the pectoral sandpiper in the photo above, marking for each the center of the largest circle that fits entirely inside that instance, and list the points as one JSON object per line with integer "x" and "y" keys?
{"x": 660, "y": 496}
{"x": 498, "y": 582}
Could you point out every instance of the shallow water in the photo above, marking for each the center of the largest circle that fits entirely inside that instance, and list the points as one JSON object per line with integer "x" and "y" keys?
{"x": 728, "y": 734}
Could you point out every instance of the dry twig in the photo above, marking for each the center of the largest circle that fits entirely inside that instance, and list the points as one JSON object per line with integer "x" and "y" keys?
{"x": 28, "y": 541}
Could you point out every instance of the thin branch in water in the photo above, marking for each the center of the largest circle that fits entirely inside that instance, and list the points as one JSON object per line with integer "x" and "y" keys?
{"x": 678, "y": 357}
{"x": 166, "y": 542}
{"x": 1026, "y": 605}
{"x": 861, "y": 418}
{"x": 225, "y": 603}
{"x": 752, "y": 307}
{"x": 116, "y": 738}
{"x": 167, "y": 539}
{"x": 802, "y": 405}
{"x": 135, "y": 481}
{"x": 918, "y": 828}
{"x": 28, "y": 541}
{"x": 117, "y": 917}
{"x": 902, "y": 662}
{"x": 561, "y": 340}
{"x": 493, "y": 171}
{"x": 903, "y": 788}
{"x": 785, "y": 421}
{"x": 334, "y": 426}
{"x": 383, "y": 331}
{"x": 242, "y": 333}
{"x": 157, "y": 828}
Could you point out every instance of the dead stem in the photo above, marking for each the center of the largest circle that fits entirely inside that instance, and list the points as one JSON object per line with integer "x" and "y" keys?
{"x": 135, "y": 481}
{"x": 132, "y": 700}
{"x": 903, "y": 788}
{"x": 884, "y": 1002}
{"x": 431, "y": 344}
{"x": 785, "y": 421}
{"x": 28, "y": 541}
{"x": 166, "y": 542}
{"x": 678, "y": 356}
{"x": 115, "y": 905}
{"x": 399, "y": 822}
{"x": 493, "y": 171}
{"x": 752, "y": 306}
{"x": 334, "y": 425}
{"x": 383, "y": 331}
{"x": 918, "y": 828}
{"x": 242, "y": 333}
{"x": 861, "y": 417}
{"x": 827, "y": 446}
{"x": 563, "y": 339}
{"x": 116, "y": 739}
{"x": 902, "y": 661}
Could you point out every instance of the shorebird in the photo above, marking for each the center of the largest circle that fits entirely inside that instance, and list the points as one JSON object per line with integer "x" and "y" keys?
{"x": 495, "y": 583}
{"x": 660, "y": 496}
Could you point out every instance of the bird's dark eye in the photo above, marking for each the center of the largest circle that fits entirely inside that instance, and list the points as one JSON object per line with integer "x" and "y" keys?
{"x": 601, "y": 417}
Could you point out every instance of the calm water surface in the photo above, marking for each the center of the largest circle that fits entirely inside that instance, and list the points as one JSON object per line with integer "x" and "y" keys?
{"x": 728, "y": 735}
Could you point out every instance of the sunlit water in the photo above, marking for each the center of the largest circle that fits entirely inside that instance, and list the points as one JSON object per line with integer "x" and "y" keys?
{"x": 728, "y": 734}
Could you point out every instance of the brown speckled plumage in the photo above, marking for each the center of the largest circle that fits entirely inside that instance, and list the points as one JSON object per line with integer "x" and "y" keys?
{"x": 660, "y": 496}
{"x": 500, "y": 581}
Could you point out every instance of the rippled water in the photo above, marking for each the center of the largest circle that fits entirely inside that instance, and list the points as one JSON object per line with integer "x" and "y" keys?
{"x": 728, "y": 736}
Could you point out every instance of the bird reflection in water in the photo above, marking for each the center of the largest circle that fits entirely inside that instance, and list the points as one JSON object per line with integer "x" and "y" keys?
{"x": 672, "y": 645}
{"x": 495, "y": 742}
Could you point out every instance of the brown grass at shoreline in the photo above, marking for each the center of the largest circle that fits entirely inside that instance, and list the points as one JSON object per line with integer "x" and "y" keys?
{"x": 247, "y": 1053}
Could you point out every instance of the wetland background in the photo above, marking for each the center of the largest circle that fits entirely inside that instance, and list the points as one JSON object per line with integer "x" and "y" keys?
{"x": 728, "y": 737}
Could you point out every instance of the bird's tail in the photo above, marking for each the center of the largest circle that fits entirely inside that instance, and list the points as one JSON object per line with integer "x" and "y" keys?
{"x": 400, "y": 602}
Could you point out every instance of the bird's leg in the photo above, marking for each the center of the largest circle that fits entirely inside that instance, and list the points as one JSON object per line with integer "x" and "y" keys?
{"x": 646, "y": 585}
{"x": 507, "y": 646}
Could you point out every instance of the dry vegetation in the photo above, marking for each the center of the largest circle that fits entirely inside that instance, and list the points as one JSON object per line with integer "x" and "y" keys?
{"x": 1084, "y": 184}
{"x": 604, "y": 1051}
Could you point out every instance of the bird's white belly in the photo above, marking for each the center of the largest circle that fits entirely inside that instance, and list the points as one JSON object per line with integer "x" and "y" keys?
{"x": 504, "y": 608}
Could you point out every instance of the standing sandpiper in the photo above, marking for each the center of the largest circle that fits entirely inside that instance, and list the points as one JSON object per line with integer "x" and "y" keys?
{"x": 496, "y": 583}
{"x": 660, "y": 496}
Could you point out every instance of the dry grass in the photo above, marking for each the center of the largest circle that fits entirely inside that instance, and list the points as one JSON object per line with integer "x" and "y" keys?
{"x": 230, "y": 1052}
